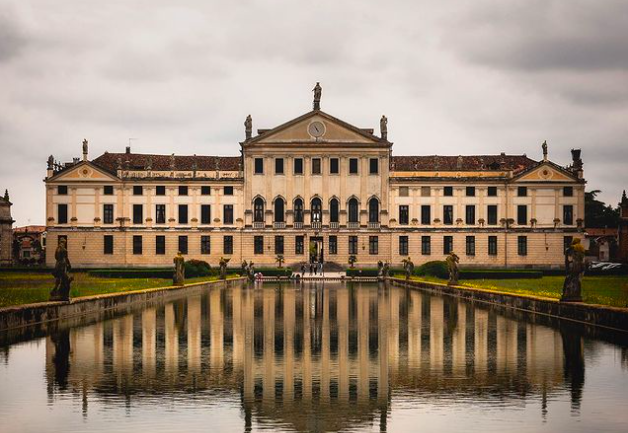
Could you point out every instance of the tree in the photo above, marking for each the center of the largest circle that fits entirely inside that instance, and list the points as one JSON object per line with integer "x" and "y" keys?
{"x": 598, "y": 214}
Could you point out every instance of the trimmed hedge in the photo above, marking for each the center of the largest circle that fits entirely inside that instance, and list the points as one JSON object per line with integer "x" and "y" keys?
{"x": 132, "y": 273}
{"x": 497, "y": 274}
{"x": 362, "y": 272}
{"x": 197, "y": 268}
{"x": 274, "y": 272}
{"x": 434, "y": 268}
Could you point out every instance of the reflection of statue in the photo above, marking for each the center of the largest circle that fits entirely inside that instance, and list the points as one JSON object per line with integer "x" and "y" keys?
{"x": 318, "y": 91}
{"x": 383, "y": 126}
{"x": 544, "y": 147}
{"x": 223, "y": 268}
{"x": 408, "y": 267}
{"x": 574, "y": 268}
{"x": 61, "y": 272}
{"x": 248, "y": 127}
{"x": 179, "y": 270}
{"x": 61, "y": 358}
{"x": 574, "y": 366}
{"x": 452, "y": 266}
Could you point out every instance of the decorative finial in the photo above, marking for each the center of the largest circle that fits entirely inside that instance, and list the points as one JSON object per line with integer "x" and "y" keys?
{"x": 248, "y": 127}
{"x": 383, "y": 127}
{"x": 623, "y": 197}
{"x": 6, "y": 194}
{"x": 544, "y": 147}
{"x": 172, "y": 162}
{"x": 318, "y": 91}
{"x": 85, "y": 149}
{"x": 194, "y": 166}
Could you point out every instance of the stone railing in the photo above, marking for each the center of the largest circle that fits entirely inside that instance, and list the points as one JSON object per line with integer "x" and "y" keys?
{"x": 317, "y": 225}
{"x": 374, "y": 225}
{"x": 334, "y": 225}
{"x": 353, "y": 225}
{"x": 279, "y": 225}
{"x": 258, "y": 224}
{"x": 298, "y": 225}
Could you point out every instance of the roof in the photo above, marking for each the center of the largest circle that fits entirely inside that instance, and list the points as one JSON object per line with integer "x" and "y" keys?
{"x": 595, "y": 232}
{"x": 30, "y": 229}
{"x": 139, "y": 161}
{"x": 516, "y": 163}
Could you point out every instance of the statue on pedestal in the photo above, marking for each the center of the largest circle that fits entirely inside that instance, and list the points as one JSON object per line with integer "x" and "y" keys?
{"x": 318, "y": 91}
{"x": 574, "y": 268}
{"x": 408, "y": 267}
{"x": 544, "y": 147}
{"x": 248, "y": 270}
{"x": 452, "y": 266}
{"x": 61, "y": 272}
{"x": 179, "y": 270}
{"x": 248, "y": 127}
{"x": 223, "y": 268}
{"x": 383, "y": 127}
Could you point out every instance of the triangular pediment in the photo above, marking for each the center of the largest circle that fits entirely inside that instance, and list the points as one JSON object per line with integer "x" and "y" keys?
{"x": 301, "y": 130}
{"x": 546, "y": 172}
{"x": 84, "y": 171}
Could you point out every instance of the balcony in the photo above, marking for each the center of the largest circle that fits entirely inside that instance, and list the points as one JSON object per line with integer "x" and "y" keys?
{"x": 334, "y": 225}
{"x": 353, "y": 225}
{"x": 279, "y": 225}
{"x": 317, "y": 225}
{"x": 373, "y": 225}
{"x": 258, "y": 224}
{"x": 298, "y": 225}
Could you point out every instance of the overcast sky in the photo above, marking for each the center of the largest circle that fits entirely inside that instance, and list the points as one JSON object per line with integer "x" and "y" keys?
{"x": 468, "y": 77}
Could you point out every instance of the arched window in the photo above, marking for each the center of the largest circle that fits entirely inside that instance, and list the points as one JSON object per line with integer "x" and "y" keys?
{"x": 373, "y": 211}
{"x": 353, "y": 210}
{"x": 333, "y": 210}
{"x": 298, "y": 211}
{"x": 279, "y": 210}
{"x": 316, "y": 210}
{"x": 258, "y": 210}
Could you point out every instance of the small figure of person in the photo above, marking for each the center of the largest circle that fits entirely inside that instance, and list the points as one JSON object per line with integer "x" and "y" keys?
{"x": 302, "y": 270}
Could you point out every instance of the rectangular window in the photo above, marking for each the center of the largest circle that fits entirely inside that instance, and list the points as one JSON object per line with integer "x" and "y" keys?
{"x": 404, "y": 191}
{"x": 278, "y": 165}
{"x": 183, "y": 244}
{"x": 259, "y": 165}
{"x": 568, "y": 214}
{"x": 448, "y": 191}
{"x": 404, "y": 214}
{"x": 160, "y": 245}
{"x": 108, "y": 244}
{"x": 316, "y": 166}
{"x": 426, "y": 245}
{"x": 227, "y": 190}
{"x": 278, "y": 244}
{"x": 403, "y": 245}
{"x": 206, "y": 246}
{"x": 491, "y": 214}
{"x": 107, "y": 214}
{"x": 334, "y": 166}
{"x": 138, "y": 214}
{"x": 470, "y": 191}
{"x": 137, "y": 245}
{"x": 353, "y": 165}
{"x": 183, "y": 214}
{"x": 567, "y": 240}
{"x": 258, "y": 245}
{"x": 373, "y": 245}
{"x": 206, "y": 190}
{"x": 470, "y": 214}
{"x": 448, "y": 244}
{"x": 568, "y": 191}
{"x": 160, "y": 190}
{"x": 522, "y": 214}
{"x": 492, "y": 191}
{"x": 492, "y": 245}
{"x": 373, "y": 166}
{"x": 206, "y": 214}
{"x": 227, "y": 245}
{"x": 228, "y": 214}
{"x": 426, "y": 191}
{"x": 353, "y": 244}
{"x": 470, "y": 245}
{"x": 522, "y": 245}
{"x": 448, "y": 214}
{"x": 62, "y": 214}
{"x": 333, "y": 244}
{"x": 108, "y": 190}
{"x": 522, "y": 191}
{"x": 298, "y": 245}
{"x": 160, "y": 214}
{"x": 62, "y": 190}
{"x": 138, "y": 190}
{"x": 298, "y": 165}
{"x": 183, "y": 190}
{"x": 426, "y": 214}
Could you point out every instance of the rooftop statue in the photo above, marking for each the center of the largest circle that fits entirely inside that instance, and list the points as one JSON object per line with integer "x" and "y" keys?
{"x": 318, "y": 91}
{"x": 383, "y": 126}
{"x": 248, "y": 127}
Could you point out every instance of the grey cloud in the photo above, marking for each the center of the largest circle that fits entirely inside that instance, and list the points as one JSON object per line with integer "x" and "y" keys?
{"x": 12, "y": 37}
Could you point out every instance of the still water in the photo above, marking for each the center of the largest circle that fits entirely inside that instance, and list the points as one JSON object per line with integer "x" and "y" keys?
{"x": 315, "y": 358}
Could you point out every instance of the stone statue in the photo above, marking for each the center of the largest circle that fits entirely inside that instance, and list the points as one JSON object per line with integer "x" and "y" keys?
{"x": 223, "y": 268}
{"x": 248, "y": 127}
{"x": 318, "y": 91}
{"x": 248, "y": 270}
{"x": 380, "y": 268}
{"x": 544, "y": 147}
{"x": 85, "y": 146}
{"x": 383, "y": 126}
{"x": 51, "y": 162}
{"x": 386, "y": 270}
{"x": 408, "y": 267}
{"x": 149, "y": 163}
{"x": 61, "y": 272}
{"x": 179, "y": 270}
{"x": 452, "y": 266}
{"x": 574, "y": 268}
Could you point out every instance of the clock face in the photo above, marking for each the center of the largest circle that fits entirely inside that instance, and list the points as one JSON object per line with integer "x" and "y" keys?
{"x": 316, "y": 129}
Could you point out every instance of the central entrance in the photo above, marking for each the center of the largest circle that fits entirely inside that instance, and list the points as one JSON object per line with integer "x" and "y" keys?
{"x": 316, "y": 249}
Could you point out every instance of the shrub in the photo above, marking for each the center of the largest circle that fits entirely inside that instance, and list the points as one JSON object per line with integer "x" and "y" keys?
{"x": 498, "y": 274}
{"x": 274, "y": 272}
{"x": 362, "y": 272}
{"x": 197, "y": 268}
{"x": 434, "y": 268}
{"x": 131, "y": 273}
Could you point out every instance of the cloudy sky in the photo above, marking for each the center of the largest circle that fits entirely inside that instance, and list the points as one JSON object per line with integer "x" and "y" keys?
{"x": 466, "y": 77}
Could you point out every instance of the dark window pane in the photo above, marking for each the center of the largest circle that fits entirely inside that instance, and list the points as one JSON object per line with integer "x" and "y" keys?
{"x": 258, "y": 210}
{"x": 278, "y": 244}
{"x": 522, "y": 245}
{"x": 183, "y": 244}
{"x": 137, "y": 245}
{"x": 227, "y": 245}
{"x": 183, "y": 214}
{"x": 353, "y": 210}
{"x": 279, "y": 210}
{"x": 568, "y": 191}
{"x": 333, "y": 245}
{"x": 138, "y": 190}
{"x": 206, "y": 214}
{"x": 258, "y": 244}
{"x": 470, "y": 214}
{"x": 183, "y": 190}
{"x": 448, "y": 214}
{"x": 353, "y": 166}
{"x": 160, "y": 213}
{"x": 448, "y": 244}
{"x": 298, "y": 165}
{"x": 228, "y": 190}
{"x": 491, "y": 214}
{"x": 316, "y": 166}
{"x": 470, "y": 245}
{"x": 492, "y": 245}
{"x": 228, "y": 214}
{"x": 426, "y": 245}
{"x": 278, "y": 165}
{"x": 108, "y": 190}
{"x": 206, "y": 245}
{"x": 206, "y": 190}
{"x": 259, "y": 165}
{"x": 426, "y": 214}
{"x": 492, "y": 191}
{"x": 334, "y": 211}
{"x": 138, "y": 214}
{"x": 373, "y": 166}
{"x": 298, "y": 245}
{"x": 403, "y": 245}
{"x": 62, "y": 214}
{"x": 404, "y": 215}
{"x": 522, "y": 191}
{"x": 298, "y": 211}
{"x": 353, "y": 244}
{"x": 522, "y": 214}
{"x": 160, "y": 190}
{"x": 373, "y": 245}
{"x": 160, "y": 245}
{"x": 568, "y": 214}
{"x": 107, "y": 214}
{"x": 448, "y": 191}
{"x": 108, "y": 244}
{"x": 373, "y": 211}
{"x": 62, "y": 190}
{"x": 470, "y": 191}
{"x": 334, "y": 166}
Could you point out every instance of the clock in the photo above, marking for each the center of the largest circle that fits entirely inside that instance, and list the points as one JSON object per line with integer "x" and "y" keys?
{"x": 316, "y": 129}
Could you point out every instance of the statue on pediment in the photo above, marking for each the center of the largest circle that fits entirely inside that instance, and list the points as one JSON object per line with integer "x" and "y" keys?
{"x": 544, "y": 147}
{"x": 248, "y": 127}
{"x": 318, "y": 92}
{"x": 383, "y": 126}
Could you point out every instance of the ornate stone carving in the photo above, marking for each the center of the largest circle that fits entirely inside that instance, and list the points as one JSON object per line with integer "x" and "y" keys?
{"x": 452, "y": 266}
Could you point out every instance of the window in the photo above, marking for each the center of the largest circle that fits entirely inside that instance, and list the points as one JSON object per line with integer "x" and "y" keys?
{"x": 333, "y": 244}
{"x": 426, "y": 191}
{"x": 62, "y": 190}
{"x": 279, "y": 210}
{"x": 492, "y": 191}
{"x": 404, "y": 215}
{"x": 522, "y": 214}
{"x": 491, "y": 211}
{"x": 160, "y": 190}
{"x": 522, "y": 191}
{"x": 138, "y": 190}
{"x": 206, "y": 214}
{"x": 206, "y": 246}
{"x": 108, "y": 244}
{"x": 258, "y": 210}
{"x": 353, "y": 165}
{"x": 227, "y": 214}
{"x": 492, "y": 245}
{"x": 448, "y": 191}
{"x": 227, "y": 190}
{"x": 183, "y": 244}
{"x": 316, "y": 166}
{"x": 426, "y": 214}
{"x": 298, "y": 245}
{"x": 160, "y": 245}
{"x": 298, "y": 165}
{"x": 334, "y": 166}
{"x": 448, "y": 214}
{"x": 334, "y": 211}
{"x": 568, "y": 191}
{"x": 373, "y": 210}
{"x": 278, "y": 165}
{"x": 206, "y": 190}
{"x": 227, "y": 245}
{"x": 258, "y": 244}
{"x": 183, "y": 214}
{"x": 137, "y": 245}
{"x": 448, "y": 244}
{"x": 138, "y": 214}
{"x": 298, "y": 211}
{"x": 259, "y": 165}
{"x": 522, "y": 245}
{"x": 373, "y": 245}
{"x": 316, "y": 211}
{"x": 353, "y": 244}
{"x": 183, "y": 190}
{"x": 373, "y": 166}
{"x": 426, "y": 245}
{"x": 107, "y": 214}
{"x": 62, "y": 214}
{"x": 568, "y": 214}
{"x": 160, "y": 213}
{"x": 404, "y": 191}
{"x": 353, "y": 210}
{"x": 108, "y": 190}
{"x": 470, "y": 214}
{"x": 567, "y": 240}
{"x": 278, "y": 244}
{"x": 403, "y": 245}
{"x": 470, "y": 191}
{"x": 470, "y": 245}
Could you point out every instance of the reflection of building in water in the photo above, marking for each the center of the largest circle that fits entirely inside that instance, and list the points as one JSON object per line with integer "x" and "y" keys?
{"x": 298, "y": 354}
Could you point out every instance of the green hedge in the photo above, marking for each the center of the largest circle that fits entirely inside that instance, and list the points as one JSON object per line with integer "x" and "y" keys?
{"x": 274, "y": 272}
{"x": 498, "y": 274}
{"x": 198, "y": 268}
{"x": 435, "y": 268}
{"x": 132, "y": 273}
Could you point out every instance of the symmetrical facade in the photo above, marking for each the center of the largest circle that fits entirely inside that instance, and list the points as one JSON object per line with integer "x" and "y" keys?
{"x": 315, "y": 188}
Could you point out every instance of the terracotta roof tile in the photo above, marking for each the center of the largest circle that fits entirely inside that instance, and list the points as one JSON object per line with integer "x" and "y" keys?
{"x": 137, "y": 161}
{"x": 516, "y": 163}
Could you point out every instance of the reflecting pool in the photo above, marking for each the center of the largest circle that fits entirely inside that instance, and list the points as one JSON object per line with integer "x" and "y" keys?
{"x": 330, "y": 357}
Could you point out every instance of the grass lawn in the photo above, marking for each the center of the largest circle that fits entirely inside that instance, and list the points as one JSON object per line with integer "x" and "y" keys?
{"x": 26, "y": 287}
{"x": 609, "y": 290}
